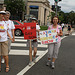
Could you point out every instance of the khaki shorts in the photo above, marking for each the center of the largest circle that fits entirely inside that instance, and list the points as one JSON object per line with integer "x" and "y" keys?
{"x": 4, "y": 48}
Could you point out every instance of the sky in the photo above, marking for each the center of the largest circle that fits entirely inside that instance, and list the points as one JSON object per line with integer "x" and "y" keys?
{"x": 66, "y": 5}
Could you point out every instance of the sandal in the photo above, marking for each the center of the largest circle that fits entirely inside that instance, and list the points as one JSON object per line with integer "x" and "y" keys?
{"x": 7, "y": 69}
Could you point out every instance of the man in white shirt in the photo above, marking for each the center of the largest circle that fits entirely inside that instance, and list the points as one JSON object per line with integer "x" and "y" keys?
{"x": 11, "y": 27}
{"x": 3, "y": 41}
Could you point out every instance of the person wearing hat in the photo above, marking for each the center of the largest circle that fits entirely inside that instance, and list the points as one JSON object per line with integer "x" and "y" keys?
{"x": 11, "y": 28}
{"x": 34, "y": 43}
{"x": 3, "y": 41}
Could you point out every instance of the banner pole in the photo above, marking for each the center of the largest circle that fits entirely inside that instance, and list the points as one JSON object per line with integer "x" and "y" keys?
{"x": 30, "y": 51}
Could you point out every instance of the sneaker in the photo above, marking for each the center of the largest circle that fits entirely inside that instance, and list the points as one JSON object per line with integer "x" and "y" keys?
{"x": 52, "y": 65}
{"x": 30, "y": 63}
{"x": 3, "y": 61}
{"x": 34, "y": 59}
{"x": 48, "y": 63}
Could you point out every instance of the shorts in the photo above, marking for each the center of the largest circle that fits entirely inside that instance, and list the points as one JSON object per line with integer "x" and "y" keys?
{"x": 34, "y": 44}
{"x": 4, "y": 48}
{"x": 53, "y": 50}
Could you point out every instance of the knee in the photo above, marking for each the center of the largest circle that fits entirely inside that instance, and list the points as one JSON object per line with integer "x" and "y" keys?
{"x": 30, "y": 51}
{"x": 35, "y": 51}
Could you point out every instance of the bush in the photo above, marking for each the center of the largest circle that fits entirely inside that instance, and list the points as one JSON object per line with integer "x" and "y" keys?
{"x": 43, "y": 27}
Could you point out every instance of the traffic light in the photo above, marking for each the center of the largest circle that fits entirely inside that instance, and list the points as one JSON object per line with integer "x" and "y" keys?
{"x": 57, "y": 1}
{"x": 58, "y": 8}
{"x": 53, "y": 7}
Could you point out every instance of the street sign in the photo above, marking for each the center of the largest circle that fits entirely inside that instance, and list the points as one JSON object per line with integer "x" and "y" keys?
{"x": 29, "y": 30}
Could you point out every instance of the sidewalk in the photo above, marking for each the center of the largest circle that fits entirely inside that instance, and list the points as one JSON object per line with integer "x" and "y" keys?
{"x": 65, "y": 30}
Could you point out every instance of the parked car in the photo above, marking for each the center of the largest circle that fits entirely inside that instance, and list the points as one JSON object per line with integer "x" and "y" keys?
{"x": 18, "y": 28}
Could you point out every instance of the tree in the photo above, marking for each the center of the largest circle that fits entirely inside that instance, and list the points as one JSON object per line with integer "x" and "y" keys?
{"x": 16, "y": 7}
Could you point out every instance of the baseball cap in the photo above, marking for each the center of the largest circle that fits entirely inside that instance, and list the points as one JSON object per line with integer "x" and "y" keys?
{"x": 2, "y": 12}
{"x": 34, "y": 19}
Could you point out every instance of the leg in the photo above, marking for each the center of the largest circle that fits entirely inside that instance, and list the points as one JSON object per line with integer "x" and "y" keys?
{"x": 35, "y": 51}
{"x": 30, "y": 53}
{"x": 50, "y": 53}
{"x": 9, "y": 45}
{"x": 6, "y": 62}
{"x": 55, "y": 53}
{"x": 0, "y": 56}
{"x": 0, "y": 63}
{"x": 5, "y": 54}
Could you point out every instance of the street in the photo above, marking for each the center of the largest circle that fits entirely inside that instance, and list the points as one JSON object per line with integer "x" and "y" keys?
{"x": 19, "y": 59}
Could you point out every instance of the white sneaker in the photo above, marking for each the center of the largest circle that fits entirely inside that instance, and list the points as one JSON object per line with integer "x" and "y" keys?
{"x": 30, "y": 63}
{"x": 34, "y": 59}
{"x": 48, "y": 63}
{"x": 52, "y": 65}
{"x": 3, "y": 61}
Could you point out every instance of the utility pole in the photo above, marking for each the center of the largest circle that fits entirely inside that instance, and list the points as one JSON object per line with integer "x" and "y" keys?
{"x": 56, "y": 5}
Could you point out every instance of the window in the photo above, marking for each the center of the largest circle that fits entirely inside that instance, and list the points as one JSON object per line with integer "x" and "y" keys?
{"x": 15, "y": 23}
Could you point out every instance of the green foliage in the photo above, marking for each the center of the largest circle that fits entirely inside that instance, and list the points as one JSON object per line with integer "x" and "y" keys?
{"x": 66, "y": 17}
{"x": 43, "y": 27}
{"x": 15, "y": 6}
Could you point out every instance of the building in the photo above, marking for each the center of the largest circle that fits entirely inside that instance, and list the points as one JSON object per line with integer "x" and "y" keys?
{"x": 1, "y": 4}
{"x": 40, "y": 9}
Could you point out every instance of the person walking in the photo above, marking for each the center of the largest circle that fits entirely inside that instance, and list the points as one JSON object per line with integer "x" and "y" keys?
{"x": 69, "y": 28}
{"x": 3, "y": 41}
{"x": 11, "y": 28}
{"x": 34, "y": 43}
{"x": 53, "y": 48}
{"x": 62, "y": 26}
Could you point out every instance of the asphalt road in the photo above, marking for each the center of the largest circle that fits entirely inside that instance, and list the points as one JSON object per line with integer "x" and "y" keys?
{"x": 65, "y": 64}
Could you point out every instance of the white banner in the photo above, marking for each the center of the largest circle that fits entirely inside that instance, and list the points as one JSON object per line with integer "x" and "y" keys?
{"x": 48, "y": 36}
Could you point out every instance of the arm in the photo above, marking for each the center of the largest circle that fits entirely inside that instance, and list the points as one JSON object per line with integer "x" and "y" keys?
{"x": 13, "y": 35}
{"x": 60, "y": 34}
{"x": 0, "y": 37}
{"x": 9, "y": 36}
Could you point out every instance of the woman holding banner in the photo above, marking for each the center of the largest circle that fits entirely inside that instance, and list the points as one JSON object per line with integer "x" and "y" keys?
{"x": 33, "y": 43}
{"x": 53, "y": 48}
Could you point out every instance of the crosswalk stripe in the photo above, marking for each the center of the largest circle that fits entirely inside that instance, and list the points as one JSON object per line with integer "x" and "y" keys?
{"x": 22, "y": 40}
{"x": 24, "y": 45}
{"x": 73, "y": 33}
{"x": 23, "y": 52}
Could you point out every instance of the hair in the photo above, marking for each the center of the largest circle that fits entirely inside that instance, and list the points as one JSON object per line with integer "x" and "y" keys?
{"x": 7, "y": 12}
{"x": 55, "y": 17}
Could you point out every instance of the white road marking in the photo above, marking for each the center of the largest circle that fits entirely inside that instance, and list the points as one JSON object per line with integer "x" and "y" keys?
{"x": 22, "y": 40}
{"x": 24, "y": 45}
{"x": 28, "y": 67}
{"x": 73, "y": 33}
{"x": 38, "y": 58}
{"x": 23, "y": 52}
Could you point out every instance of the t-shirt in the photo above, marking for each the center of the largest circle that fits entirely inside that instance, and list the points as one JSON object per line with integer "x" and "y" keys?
{"x": 37, "y": 28}
{"x": 10, "y": 26}
{"x": 3, "y": 31}
{"x": 58, "y": 30}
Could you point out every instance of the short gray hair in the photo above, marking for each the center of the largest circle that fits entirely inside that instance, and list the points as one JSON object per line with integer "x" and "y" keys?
{"x": 7, "y": 12}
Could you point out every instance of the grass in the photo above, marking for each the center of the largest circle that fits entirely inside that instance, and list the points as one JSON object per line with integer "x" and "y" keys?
{"x": 43, "y": 27}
